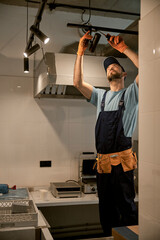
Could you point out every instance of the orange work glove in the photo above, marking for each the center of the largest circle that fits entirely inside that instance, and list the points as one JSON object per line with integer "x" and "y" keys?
{"x": 117, "y": 42}
{"x": 83, "y": 43}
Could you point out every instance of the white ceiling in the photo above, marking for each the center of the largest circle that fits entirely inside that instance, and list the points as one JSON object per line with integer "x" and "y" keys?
{"x": 97, "y": 19}
{"x": 132, "y": 6}
{"x": 54, "y": 24}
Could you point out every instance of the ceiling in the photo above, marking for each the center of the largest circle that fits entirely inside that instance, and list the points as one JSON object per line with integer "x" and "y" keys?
{"x": 131, "y": 6}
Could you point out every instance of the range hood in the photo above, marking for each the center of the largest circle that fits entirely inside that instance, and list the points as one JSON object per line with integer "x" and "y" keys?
{"x": 54, "y": 75}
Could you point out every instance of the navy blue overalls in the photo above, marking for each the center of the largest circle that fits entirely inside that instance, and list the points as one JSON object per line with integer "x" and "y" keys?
{"x": 116, "y": 189}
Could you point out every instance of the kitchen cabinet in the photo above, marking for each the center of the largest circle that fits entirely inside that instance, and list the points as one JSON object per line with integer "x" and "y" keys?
{"x": 73, "y": 220}
{"x": 25, "y": 233}
{"x": 69, "y": 217}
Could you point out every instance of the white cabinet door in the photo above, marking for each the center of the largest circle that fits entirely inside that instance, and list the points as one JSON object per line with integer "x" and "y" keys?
{"x": 18, "y": 233}
{"x": 45, "y": 234}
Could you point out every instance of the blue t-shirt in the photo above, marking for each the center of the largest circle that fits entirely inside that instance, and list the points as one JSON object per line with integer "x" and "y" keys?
{"x": 112, "y": 101}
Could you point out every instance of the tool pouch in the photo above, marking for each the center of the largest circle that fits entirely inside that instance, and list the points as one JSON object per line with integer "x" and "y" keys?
{"x": 127, "y": 158}
{"x": 103, "y": 164}
{"x": 129, "y": 161}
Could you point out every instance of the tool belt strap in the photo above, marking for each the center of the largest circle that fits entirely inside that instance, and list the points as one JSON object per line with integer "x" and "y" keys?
{"x": 127, "y": 158}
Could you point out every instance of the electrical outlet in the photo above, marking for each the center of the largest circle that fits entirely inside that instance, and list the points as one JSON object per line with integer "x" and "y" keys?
{"x": 46, "y": 163}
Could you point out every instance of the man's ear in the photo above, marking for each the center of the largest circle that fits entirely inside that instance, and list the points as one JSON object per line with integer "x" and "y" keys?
{"x": 124, "y": 74}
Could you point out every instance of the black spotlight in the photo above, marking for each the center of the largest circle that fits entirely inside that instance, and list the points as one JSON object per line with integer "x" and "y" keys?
{"x": 26, "y": 65}
{"x": 39, "y": 34}
{"x": 94, "y": 42}
{"x": 31, "y": 50}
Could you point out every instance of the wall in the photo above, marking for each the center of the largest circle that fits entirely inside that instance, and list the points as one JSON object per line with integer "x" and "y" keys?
{"x": 149, "y": 119}
{"x": 40, "y": 129}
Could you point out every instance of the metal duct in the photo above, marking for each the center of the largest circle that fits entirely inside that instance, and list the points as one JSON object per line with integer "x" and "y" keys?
{"x": 54, "y": 75}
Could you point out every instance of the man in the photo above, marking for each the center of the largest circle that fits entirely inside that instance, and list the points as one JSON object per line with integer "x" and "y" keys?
{"x": 117, "y": 114}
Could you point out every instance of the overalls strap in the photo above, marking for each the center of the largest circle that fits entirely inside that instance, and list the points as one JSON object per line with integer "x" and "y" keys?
{"x": 121, "y": 102}
{"x": 103, "y": 101}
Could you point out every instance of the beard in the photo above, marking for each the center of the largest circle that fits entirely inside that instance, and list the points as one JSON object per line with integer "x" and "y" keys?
{"x": 114, "y": 76}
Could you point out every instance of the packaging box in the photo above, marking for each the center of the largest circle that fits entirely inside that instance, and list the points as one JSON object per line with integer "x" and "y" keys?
{"x": 125, "y": 233}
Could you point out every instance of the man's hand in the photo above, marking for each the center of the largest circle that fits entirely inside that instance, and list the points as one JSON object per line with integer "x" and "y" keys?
{"x": 117, "y": 42}
{"x": 83, "y": 43}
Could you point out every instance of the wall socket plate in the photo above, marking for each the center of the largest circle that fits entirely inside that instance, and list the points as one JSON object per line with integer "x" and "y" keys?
{"x": 45, "y": 163}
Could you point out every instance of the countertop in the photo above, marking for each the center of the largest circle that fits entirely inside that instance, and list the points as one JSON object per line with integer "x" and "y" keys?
{"x": 52, "y": 201}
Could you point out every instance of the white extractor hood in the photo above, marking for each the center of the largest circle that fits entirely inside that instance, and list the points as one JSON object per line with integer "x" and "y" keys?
{"x": 54, "y": 75}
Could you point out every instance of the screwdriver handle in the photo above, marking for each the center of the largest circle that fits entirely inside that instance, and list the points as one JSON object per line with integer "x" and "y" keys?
{"x": 108, "y": 36}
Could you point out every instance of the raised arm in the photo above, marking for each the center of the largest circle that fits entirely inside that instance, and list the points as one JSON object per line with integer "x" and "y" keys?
{"x": 118, "y": 43}
{"x": 78, "y": 81}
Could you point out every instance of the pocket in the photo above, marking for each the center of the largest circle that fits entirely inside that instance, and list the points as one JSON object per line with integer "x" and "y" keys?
{"x": 129, "y": 161}
{"x": 104, "y": 165}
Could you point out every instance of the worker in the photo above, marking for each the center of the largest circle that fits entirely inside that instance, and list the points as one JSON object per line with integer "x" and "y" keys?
{"x": 117, "y": 111}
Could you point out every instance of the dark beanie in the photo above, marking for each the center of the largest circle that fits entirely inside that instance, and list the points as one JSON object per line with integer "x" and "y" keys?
{"x": 110, "y": 60}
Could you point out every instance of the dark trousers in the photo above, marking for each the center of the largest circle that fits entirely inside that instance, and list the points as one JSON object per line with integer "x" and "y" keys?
{"x": 116, "y": 199}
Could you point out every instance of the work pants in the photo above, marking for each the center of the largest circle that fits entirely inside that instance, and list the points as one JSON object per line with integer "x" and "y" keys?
{"x": 116, "y": 199}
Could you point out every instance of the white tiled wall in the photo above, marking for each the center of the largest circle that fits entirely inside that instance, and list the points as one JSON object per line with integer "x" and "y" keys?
{"x": 149, "y": 121}
{"x": 147, "y": 6}
{"x": 42, "y": 129}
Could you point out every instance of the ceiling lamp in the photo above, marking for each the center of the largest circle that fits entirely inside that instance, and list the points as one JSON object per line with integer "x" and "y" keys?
{"x": 39, "y": 34}
{"x": 31, "y": 50}
{"x": 26, "y": 65}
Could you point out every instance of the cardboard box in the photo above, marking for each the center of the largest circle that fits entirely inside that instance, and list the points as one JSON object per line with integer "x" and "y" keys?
{"x": 125, "y": 233}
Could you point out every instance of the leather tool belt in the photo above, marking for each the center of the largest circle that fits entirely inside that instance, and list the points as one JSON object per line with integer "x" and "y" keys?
{"x": 127, "y": 158}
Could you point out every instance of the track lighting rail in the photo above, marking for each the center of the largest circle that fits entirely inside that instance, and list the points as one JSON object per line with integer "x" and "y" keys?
{"x": 56, "y": 5}
{"x": 36, "y": 22}
{"x": 96, "y": 28}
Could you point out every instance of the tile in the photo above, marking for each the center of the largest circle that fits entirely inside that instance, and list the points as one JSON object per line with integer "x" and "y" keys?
{"x": 157, "y": 84}
{"x": 74, "y": 169}
{"x": 147, "y": 82}
{"x": 7, "y": 111}
{"x": 20, "y": 176}
{"x": 156, "y": 229}
{"x": 88, "y": 137}
{"x": 5, "y": 133}
{"x": 33, "y": 176}
{"x": 156, "y": 137}
{"x": 156, "y": 172}
{"x": 147, "y": 137}
{"x": 82, "y": 111}
{"x": 54, "y": 109}
{"x": 146, "y": 188}
{"x": 156, "y": 29}
{"x": 24, "y": 133}
{"x": 54, "y": 138}
{"x": 17, "y": 156}
{"x": 147, "y": 6}
{"x": 75, "y": 134}
{"x": 56, "y": 174}
{"x": 145, "y": 42}
{"x": 136, "y": 131}
{"x": 4, "y": 155}
{"x": 4, "y": 174}
{"x": 149, "y": 27}
{"x": 146, "y": 227}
